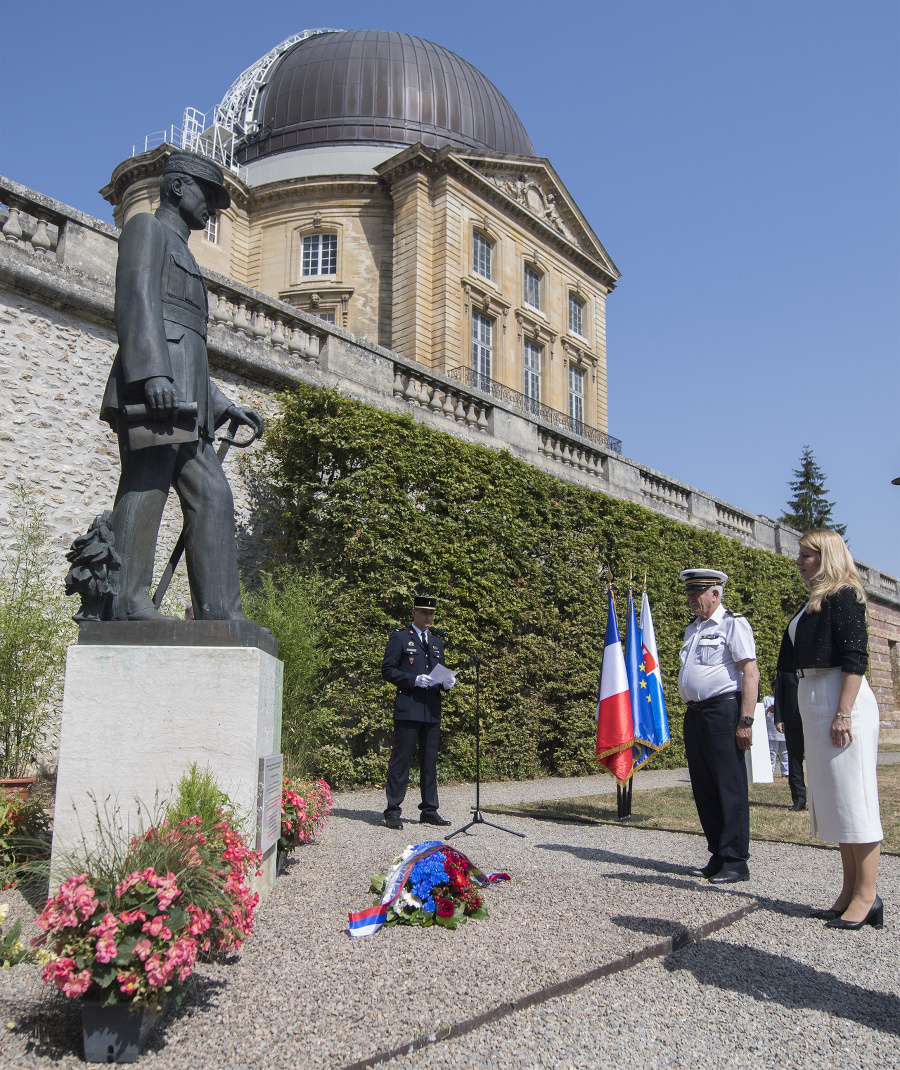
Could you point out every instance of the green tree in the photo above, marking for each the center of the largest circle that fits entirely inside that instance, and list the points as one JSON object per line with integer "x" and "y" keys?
{"x": 809, "y": 508}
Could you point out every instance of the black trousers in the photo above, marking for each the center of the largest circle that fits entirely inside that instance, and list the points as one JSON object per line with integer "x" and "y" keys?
{"x": 719, "y": 777}
{"x": 787, "y": 712}
{"x": 406, "y": 735}
{"x": 793, "y": 738}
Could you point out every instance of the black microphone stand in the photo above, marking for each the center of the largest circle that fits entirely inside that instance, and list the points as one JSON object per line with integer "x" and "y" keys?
{"x": 477, "y": 816}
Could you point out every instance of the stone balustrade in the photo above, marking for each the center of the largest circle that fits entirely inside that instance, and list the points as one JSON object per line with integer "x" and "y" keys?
{"x": 434, "y": 394}
{"x": 735, "y": 523}
{"x": 38, "y": 233}
{"x": 661, "y": 490}
{"x": 54, "y": 254}
{"x": 570, "y": 452}
{"x": 289, "y": 335}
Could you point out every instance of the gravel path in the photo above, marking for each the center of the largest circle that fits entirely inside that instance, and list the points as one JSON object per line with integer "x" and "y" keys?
{"x": 778, "y": 987}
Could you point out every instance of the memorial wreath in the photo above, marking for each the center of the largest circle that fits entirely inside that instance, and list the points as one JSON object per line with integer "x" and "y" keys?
{"x": 429, "y": 884}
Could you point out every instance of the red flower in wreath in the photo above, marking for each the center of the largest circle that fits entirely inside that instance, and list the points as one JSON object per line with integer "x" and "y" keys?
{"x": 445, "y": 908}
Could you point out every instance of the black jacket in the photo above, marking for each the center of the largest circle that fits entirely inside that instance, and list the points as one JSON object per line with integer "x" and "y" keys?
{"x": 834, "y": 638}
{"x": 404, "y": 660}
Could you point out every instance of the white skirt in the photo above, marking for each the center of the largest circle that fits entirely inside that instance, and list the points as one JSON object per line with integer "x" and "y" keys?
{"x": 843, "y": 789}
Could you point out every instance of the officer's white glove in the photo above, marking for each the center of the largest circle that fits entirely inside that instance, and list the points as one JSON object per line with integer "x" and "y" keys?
{"x": 422, "y": 680}
{"x": 449, "y": 683}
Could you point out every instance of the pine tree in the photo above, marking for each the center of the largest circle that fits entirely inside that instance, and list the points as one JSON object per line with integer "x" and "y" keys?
{"x": 809, "y": 508}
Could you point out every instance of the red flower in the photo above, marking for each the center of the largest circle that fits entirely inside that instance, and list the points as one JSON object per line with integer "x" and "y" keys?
{"x": 444, "y": 908}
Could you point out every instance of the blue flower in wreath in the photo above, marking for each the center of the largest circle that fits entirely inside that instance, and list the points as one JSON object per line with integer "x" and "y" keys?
{"x": 426, "y": 875}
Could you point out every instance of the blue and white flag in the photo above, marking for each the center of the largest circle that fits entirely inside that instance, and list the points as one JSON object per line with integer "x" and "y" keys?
{"x": 651, "y": 724}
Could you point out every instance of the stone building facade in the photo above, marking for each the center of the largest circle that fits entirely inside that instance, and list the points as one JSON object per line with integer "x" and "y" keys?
{"x": 57, "y": 341}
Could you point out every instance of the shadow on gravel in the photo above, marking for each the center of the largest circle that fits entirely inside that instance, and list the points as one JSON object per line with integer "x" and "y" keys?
{"x": 783, "y": 980}
{"x": 367, "y": 817}
{"x": 650, "y": 926}
{"x": 52, "y": 1024}
{"x": 613, "y": 858}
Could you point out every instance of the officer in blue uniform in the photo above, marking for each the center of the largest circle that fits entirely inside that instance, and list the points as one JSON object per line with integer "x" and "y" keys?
{"x": 719, "y": 683}
{"x": 410, "y": 656}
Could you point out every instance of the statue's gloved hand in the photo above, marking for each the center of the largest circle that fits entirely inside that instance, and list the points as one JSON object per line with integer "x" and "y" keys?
{"x": 159, "y": 394}
{"x": 248, "y": 417}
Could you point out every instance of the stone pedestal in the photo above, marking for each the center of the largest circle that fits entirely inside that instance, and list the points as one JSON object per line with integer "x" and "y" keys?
{"x": 145, "y": 700}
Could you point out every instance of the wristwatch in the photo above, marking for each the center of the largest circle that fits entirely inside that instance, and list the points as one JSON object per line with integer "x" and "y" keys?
{"x": 747, "y": 722}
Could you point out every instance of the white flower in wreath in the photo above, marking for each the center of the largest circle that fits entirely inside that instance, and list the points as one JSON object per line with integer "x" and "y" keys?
{"x": 410, "y": 900}
{"x": 4, "y": 910}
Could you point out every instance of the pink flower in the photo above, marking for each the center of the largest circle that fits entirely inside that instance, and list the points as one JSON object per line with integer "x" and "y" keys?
{"x": 167, "y": 892}
{"x": 128, "y": 916}
{"x": 183, "y": 951}
{"x": 142, "y": 949}
{"x": 200, "y": 920}
{"x": 128, "y": 982}
{"x": 58, "y": 971}
{"x": 106, "y": 949}
{"x": 159, "y": 970}
{"x": 107, "y": 927}
{"x": 77, "y": 985}
{"x": 157, "y": 927}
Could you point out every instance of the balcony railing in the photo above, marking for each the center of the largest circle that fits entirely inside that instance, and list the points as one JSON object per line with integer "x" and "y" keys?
{"x": 535, "y": 408}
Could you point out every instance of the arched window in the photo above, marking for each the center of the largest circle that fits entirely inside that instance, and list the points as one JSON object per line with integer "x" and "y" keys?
{"x": 319, "y": 255}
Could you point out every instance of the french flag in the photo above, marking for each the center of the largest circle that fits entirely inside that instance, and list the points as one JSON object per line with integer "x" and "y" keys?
{"x": 615, "y": 728}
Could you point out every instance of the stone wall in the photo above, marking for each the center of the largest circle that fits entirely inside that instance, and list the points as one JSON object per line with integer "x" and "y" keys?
{"x": 57, "y": 342}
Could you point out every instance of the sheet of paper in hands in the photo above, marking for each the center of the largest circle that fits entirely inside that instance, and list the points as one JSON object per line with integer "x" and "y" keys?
{"x": 440, "y": 673}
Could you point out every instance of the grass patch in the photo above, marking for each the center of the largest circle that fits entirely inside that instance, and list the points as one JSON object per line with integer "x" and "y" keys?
{"x": 770, "y": 818}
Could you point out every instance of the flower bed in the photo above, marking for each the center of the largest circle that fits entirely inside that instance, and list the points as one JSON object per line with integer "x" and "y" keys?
{"x": 429, "y": 884}
{"x": 132, "y": 931}
{"x": 305, "y": 809}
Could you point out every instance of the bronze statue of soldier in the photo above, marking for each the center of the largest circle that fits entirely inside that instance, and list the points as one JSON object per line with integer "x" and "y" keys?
{"x": 162, "y": 405}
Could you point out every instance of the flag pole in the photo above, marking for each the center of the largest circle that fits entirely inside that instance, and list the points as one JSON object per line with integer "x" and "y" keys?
{"x": 623, "y": 794}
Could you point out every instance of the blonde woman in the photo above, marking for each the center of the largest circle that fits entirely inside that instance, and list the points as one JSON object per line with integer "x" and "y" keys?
{"x": 826, "y": 644}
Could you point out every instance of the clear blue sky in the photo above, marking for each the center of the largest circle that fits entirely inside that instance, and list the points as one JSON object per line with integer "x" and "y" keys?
{"x": 739, "y": 160}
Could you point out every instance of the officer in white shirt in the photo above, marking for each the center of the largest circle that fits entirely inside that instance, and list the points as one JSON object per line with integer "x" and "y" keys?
{"x": 719, "y": 682}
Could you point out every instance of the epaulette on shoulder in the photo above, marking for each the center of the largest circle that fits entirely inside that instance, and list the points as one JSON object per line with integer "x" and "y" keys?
{"x": 733, "y": 613}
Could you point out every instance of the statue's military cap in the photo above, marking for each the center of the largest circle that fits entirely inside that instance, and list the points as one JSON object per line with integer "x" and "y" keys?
{"x": 204, "y": 170}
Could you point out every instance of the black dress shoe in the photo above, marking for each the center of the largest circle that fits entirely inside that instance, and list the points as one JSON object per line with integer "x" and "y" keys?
{"x": 875, "y": 918}
{"x": 825, "y": 915}
{"x": 797, "y": 807}
{"x": 730, "y": 875}
{"x": 432, "y": 819}
{"x": 711, "y": 868}
{"x": 393, "y": 822}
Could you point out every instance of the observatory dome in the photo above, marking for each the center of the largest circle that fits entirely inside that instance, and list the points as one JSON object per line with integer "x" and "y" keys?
{"x": 380, "y": 87}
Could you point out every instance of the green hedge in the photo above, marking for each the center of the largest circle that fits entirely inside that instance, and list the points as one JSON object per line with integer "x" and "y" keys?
{"x": 375, "y": 507}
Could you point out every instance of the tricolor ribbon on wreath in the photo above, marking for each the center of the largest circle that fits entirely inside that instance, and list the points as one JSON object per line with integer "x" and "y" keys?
{"x": 366, "y": 922}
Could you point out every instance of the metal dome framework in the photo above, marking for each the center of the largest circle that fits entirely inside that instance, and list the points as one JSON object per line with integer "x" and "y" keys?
{"x": 220, "y": 132}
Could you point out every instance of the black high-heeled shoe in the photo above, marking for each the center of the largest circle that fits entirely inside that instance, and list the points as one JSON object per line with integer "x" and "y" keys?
{"x": 875, "y": 918}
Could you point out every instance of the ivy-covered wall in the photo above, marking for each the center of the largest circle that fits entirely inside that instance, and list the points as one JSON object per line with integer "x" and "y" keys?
{"x": 375, "y": 507}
